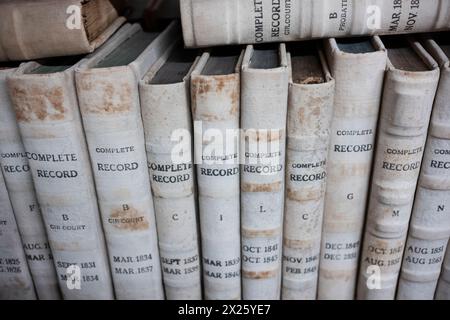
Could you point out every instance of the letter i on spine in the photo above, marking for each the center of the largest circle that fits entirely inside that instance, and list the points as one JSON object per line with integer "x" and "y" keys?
{"x": 215, "y": 91}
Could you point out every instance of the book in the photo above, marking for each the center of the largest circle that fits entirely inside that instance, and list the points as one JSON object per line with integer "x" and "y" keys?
{"x": 409, "y": 90}
{"x": 357, "y": 66}
{"x": 429, "y": 229}
{"x": 47, "y": 111}
{"x": 108, "y": 93}
{"x": 215, "y": 92}
{"x": 20, "y": 187}
{"x": 310, "y": 109}
{"x": 15, "y": 277}
{"x": 443, "y": 287}
{"x": 264, "y": 98}
{"x": 251, "y": 21}
{"x": 166, "y": 115}
{"x": 76, "y": 27}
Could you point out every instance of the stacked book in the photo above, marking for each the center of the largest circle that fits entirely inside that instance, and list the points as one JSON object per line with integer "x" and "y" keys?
{"x": 135, "y": 165}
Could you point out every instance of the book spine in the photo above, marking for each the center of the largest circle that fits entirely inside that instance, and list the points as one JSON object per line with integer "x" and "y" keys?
{"x": 405, "y": 115}
{"x": 353, "y": 132}
{"x": 23, "y": 200}
{"x": 263, "y": 145}
{"x": 216, "y": 110}
{"x": 20, "y": 40}
{"x": 110, "y": 108}
{"x": 310, "y": 109}
{"x": 443, "y": 287}
{"x": 168, "y": 128}
{"x": 15, "y": 278}
{"x": 429, "y": 229}
{"x": 250, "y": 22}
{"x": 48, "y": 116}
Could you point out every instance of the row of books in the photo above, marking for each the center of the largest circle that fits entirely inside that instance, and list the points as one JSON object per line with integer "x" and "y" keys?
{"x": 148, "y": 171}
{"x": 115, "y": 129}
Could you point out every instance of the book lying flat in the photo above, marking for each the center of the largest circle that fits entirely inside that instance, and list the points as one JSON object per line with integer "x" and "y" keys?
{"x": 47, "y": 28}
{"x": 220, "y": 22}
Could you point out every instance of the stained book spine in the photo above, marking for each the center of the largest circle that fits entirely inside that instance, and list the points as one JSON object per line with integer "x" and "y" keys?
{"x": 215, "y": 110}
{"x": 15, "y": 277}
{"x": 429, "y": 229}
{"x": 310, "y": 109}
{"x": 47, "y": 112}
{"x": 263, "y": 143}
{"x": 167, "y": 119}
{"x": 406, "y": 108}
{"x": 111, "y": 112}
{"x": 443, "y": 287}
{"x": 23, "y": 199}
{"x": 109, "y": 104}
{"x": 248, "y": 21}
{"x": 353, "y": 131}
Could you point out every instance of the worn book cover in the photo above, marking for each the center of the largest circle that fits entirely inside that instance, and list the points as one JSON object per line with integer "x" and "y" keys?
{"x": 166, "y": 115}
{"x": 107, "y": 86}
{"x": 75, "y": 26}
{"x": 310, "y": 109}
{"x": 19, "y": 183}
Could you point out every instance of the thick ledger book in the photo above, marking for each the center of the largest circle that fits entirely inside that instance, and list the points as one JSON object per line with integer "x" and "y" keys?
{"x": 215, "y": 92}
{"x": 429, "y": 228}
{"x": 443, "y": 287}
{"x": 20, "y": 187}
{"x": 409, "y": 90}
{"x": 108, "y": 93}
{"x": 220, "y": 22}
{"x": 45, "y": 100}
{"x": 15, "y": 277}
{"x": 357, "y": 66}
{"x": 166, "y": 114}
{"x": 31, "y": 29}
{"x": 264, "y": 97}
{"x": 310, "y": 109}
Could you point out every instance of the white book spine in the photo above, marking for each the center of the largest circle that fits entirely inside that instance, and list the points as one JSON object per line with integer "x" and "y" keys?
{"x": 167, "y": 117}
{"x": 15, "y": 278}
{"x": 359, "y": 83}
{"x": 249, "y": 21}
{"x": 23, "y": 199}
{"x": 109, "y": 104}
{"x": 443, "y": 287}
{"x": 310, "y": 109}
{"x": 429, "y": 229}
{"x": 111, "y": 112}
{"x": 47, "y": 111}
{"x": 406, "y": 109}
{"x": 263, "y": 145}
{"x": 216, "y": 110}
